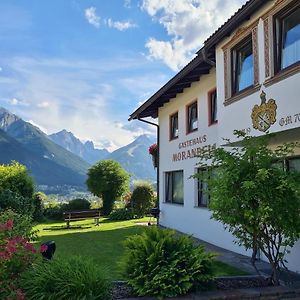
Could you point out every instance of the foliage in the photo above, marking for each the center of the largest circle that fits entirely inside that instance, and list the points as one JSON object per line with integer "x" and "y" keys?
{"x": 14, "y": 177}
{"x": 121, "y": 214}
{"x": 22, "y": 224}
{"x": 15, "y": 201}
{"x": 159, "y": 263}
{"x": 39, "y": 198}
{"x": 68, "y": 278}
{"x": 108, "y": 180}
{"x": 54, "y": 212}
{"x": 255, "y": 198}
{"x": 16, "y": 255}
{"x": 78, "y": 204}
{"x": 153, "y": 149}
{"x": 142, "y": 199}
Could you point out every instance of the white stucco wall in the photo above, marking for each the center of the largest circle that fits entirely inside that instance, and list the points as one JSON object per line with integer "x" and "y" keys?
{"x": 195, "y": 220}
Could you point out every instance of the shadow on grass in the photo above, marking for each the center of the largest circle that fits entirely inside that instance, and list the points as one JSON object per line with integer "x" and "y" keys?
{"x": 64, "y": 227}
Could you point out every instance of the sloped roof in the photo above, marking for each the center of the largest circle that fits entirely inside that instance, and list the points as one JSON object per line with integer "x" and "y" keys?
{"x": 199, "y": 66}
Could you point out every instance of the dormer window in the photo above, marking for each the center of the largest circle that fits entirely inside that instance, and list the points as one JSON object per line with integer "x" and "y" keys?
{"x": 242, "y": 66}
{"x": 174, "y": 126}
{"x": 192, "y": 117}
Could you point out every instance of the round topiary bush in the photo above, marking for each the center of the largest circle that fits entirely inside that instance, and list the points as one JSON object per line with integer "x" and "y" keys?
{"x": 121, "y": 214}
{"x": 161, "y": 264}
{"x": 78, "y": 204}
{"x": 65, "y": 279}
{"x": 142, "y": 198}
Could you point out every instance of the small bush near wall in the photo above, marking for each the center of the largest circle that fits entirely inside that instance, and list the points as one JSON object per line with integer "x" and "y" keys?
{"x": 121, "y": 214}
{"x": 78, "y": 204}
{"x": 65, "y": 279}
{"x": 159, "y": 263}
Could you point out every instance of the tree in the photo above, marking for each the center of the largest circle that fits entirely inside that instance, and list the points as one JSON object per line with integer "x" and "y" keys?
{"x": 142, "y": 198}
{"x": 16, "y": 188}
{"x": 255, "y": 197}
{"x": 108, "y": 180}
{"x": 39, "y": 198}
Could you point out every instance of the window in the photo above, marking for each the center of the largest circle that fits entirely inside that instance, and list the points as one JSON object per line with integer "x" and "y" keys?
{"x": 287, "y": 36}
{"x": 203, "y": 196}
{"x": 174, "y": 187}
{"x": 242, "y": 66}
{"x": 174, "y": 126}
{"x": 294, "y": 164}
{"x": 192, "y": 117}
{"x": 212, "y": 107}
{"x": 203, "y": 188}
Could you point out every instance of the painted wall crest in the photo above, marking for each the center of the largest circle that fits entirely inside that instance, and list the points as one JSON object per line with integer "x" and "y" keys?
{"x": 264, "y": 115}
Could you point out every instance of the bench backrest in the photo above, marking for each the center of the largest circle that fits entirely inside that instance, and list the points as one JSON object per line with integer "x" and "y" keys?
{"x": 92, "y": 213}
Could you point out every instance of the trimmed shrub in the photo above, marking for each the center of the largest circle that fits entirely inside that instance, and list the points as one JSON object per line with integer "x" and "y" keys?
{"x": 142, "y": 198}
{"x": 78, "y": 204}
{"x": 54, "y": 212}
{"x": 12, "y": 200}
{"x": 65, "y": 279}
{"x": 161, "y": 264}
{"x": 121, "y": 214}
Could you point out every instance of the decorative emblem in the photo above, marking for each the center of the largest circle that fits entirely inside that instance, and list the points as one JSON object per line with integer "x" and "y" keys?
{"x": 264, "y": 115}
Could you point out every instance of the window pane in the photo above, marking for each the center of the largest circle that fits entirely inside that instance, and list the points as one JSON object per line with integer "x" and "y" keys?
{"x": 290, "y": 52}
{"x": 245, "y": 76}
{"x": 192, "y": 117}
{"x": 174, "y": 126}
{"x": 178, "y": 187}
{"x": 203, "y": 196}
{"x": 294, "y": 164}
{"x": 213, "y": 107}
{"x": 168, "y": 187}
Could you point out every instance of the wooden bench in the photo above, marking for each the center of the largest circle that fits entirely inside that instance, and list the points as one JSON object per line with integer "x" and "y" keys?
{"x": 82, "y": 215}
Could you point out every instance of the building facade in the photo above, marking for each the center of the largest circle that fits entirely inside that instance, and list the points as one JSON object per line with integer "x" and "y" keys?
{"x": 246, "y": 77}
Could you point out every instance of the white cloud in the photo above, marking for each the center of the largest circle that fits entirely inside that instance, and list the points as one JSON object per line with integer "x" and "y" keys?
{"x": 44, "y": 104}
{"x": 188, "y": 23}
{"x": 127, "y": 3}
{"x": 120, "y": 25}
{"x": 92, "y": 17}
{"x": 86, "y": 97}
{"x": 17, "y": 102}
{"x": 37, "y": 125}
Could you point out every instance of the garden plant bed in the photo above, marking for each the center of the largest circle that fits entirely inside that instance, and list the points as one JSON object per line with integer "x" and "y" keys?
{"x": 121, "y": 290}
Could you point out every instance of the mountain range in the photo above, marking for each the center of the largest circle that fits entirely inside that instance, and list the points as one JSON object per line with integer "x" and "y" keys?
{"x": 61, "y": 159}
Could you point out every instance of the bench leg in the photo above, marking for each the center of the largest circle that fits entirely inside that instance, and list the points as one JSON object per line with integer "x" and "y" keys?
{"x": 68, "y": 224}
{"x": 97, "y": 222}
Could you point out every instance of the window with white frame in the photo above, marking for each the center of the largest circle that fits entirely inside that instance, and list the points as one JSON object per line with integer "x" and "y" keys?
{"x": 192, "y": 117}
{"x": 174, "y": 126}
{"x": 174, "y": 187}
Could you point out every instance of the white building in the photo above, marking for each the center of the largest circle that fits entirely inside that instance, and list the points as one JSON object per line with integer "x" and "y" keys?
{"x": 256, "y": 52}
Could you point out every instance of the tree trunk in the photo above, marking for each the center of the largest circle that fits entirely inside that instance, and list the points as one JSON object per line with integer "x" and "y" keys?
{"x": 108, "y": 203}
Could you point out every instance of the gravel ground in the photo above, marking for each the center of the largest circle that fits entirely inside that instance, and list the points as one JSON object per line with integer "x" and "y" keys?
{"x": 121, "y": 289}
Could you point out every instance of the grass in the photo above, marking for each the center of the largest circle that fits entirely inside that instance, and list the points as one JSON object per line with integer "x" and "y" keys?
{"x": 103, "y": 243}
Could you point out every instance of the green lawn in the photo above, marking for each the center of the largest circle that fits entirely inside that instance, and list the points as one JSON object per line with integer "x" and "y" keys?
{"x": 103, "y": 243}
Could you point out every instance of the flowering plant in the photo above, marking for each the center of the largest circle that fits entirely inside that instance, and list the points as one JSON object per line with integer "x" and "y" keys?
{"x": 153, "y": 149}
{"x": 16, "y": 255}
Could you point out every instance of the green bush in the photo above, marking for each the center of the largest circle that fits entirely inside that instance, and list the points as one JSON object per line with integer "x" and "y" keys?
{"x": 121, "y": 214}
{"x": 159, "y": 263}
{"x": 78, "y": 204}
{"x": 54, "y": 212}
{"x": 65, "y": 279}
{"x": 12, "y": 200}
{"x": 38, "y": 200}
{"x": 142, "y": 198}
{"x": 22, "y": 224}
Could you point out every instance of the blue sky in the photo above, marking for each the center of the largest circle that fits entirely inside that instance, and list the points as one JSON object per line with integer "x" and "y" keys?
{"x": 85, "y": 65}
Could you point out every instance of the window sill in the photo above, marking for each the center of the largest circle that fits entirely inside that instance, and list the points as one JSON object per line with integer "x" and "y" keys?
{"x": 173, "y": 139}
{"x": 202, "y": 207}
{"x": 192, "y": 131}
{"x": 283, "y": 74}
{"x": 175, "y": 204}
{"x": 249, "y": 91}
{"x": 213, "y": 123}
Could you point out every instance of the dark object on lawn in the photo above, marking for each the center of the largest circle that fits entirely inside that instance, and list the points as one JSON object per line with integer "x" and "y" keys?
{"x": 49, "y": 252}
{"x": 154, "y": 213}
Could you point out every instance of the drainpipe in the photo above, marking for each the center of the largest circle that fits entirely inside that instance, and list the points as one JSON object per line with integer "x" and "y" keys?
{"x": 157, "y": 170}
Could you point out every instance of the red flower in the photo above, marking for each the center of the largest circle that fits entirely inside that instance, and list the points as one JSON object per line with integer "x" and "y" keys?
{"x": 43, "y": 248}
{"x": 153, "y": 149}
{"x": 20, "y": 295}
{"x": 9, "y": 224}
